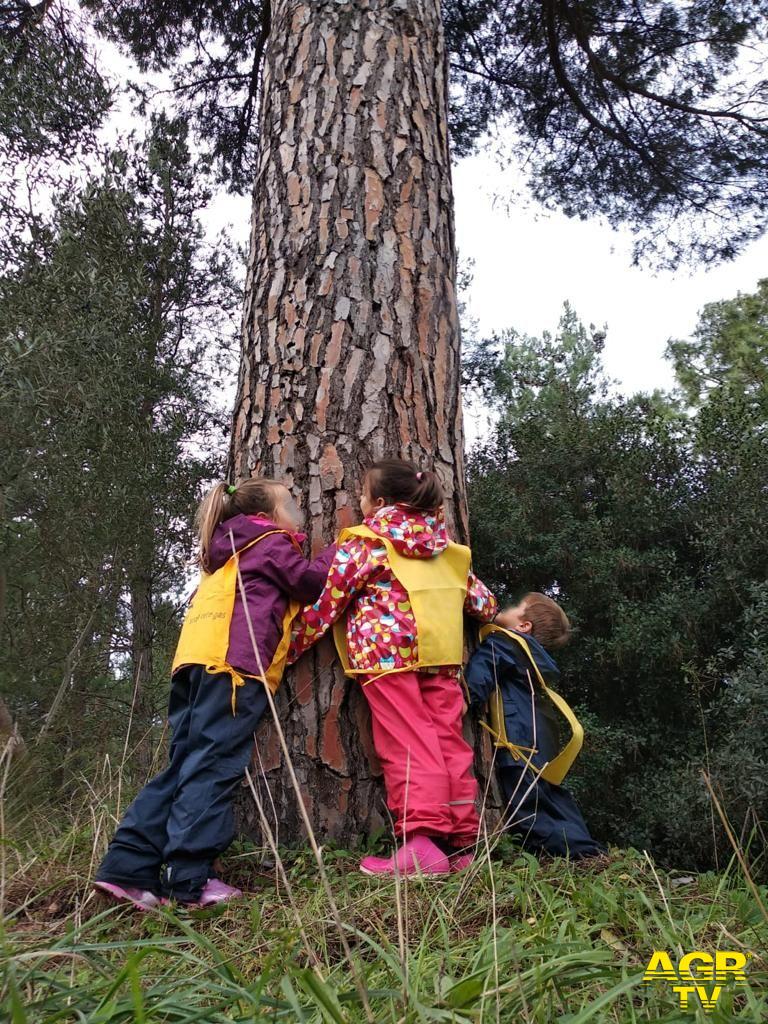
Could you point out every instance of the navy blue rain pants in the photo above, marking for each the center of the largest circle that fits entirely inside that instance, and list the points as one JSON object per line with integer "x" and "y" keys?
{"x": 183, "y": 819}
{"x": 547, "y": 819}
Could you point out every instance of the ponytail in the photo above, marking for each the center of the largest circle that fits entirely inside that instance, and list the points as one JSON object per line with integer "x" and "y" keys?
{"x": 398, "y": 481}
{"x": 252, "y": 497}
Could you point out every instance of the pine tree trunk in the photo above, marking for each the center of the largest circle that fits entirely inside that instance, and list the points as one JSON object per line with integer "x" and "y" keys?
{"x": 351, "y": 341}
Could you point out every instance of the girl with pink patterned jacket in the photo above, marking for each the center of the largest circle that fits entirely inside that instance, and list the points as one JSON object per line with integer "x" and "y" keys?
{"x": 396, "y": 594}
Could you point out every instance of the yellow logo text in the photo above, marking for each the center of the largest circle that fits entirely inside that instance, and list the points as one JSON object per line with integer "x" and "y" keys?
{"x": 697, "y": 975}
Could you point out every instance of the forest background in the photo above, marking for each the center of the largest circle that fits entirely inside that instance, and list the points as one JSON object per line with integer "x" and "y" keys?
{"x": 119, "y": 315}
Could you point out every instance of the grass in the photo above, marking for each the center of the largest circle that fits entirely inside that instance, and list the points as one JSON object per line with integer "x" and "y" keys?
{"x": 510, "y": 940}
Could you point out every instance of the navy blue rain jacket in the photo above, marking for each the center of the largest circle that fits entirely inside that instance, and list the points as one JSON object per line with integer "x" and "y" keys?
{"x": 530, "y": 717}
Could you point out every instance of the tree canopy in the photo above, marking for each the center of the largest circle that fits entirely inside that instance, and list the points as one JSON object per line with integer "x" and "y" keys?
{"x": 52, "y": 94}
{"x": 650, "y": 114}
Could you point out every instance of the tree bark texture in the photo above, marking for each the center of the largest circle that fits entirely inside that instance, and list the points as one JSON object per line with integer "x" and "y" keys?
{"x": 351, "y": 340}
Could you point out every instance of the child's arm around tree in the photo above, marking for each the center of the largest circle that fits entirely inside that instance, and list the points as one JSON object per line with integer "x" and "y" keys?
{"x": 351, "y": 568}
{"x": 480, "y": 603}
{"x": 286, "y": 567}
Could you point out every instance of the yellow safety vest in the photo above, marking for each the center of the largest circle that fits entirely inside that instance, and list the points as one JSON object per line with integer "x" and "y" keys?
{"x": 204, "y": 638}
{"x": 555, "y": 770}
{"x": 437, "y": 590}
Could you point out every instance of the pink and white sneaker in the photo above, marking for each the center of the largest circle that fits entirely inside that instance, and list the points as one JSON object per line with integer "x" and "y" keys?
{"x": 142, "y": 899}
{"x": 417, "y": 856}
{"x": 215, "y": 891}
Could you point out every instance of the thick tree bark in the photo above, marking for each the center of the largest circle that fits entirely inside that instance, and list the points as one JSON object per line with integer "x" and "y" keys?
{"x": 351, "y": 341}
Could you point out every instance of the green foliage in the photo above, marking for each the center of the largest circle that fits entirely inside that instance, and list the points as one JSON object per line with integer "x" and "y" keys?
{"x": 728, "y": 351}
{"x": 648, "y": 524}
{"x": 116, "y": 322}
{"x": 734, "y": 725}
{"x": 214, "y": 53}
{"x": 52, "y": 96}
{"x": 533, "y": 374}
{"x": 53, "y": 101}
{"x": 587, "y": 496}
{"x": 723, "y": 371}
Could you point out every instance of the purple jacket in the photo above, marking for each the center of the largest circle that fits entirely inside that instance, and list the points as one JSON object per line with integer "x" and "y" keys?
{"x": 273, "y": 571}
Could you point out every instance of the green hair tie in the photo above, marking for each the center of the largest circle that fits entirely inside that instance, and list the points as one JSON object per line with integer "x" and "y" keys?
{"x": 231, "y": 489}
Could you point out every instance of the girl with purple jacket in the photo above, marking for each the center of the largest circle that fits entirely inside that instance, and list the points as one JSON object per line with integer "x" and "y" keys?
{"x": 254, "y": 580}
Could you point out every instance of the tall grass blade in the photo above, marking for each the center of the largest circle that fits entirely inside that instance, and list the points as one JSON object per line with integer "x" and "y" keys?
{"x": 324, "y": 997}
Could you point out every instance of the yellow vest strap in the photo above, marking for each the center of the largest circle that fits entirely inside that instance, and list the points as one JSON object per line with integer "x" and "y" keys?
{"x": 516, "y": 750}
{"x": 556, "y": 770}
{"x": 204, "y": 638}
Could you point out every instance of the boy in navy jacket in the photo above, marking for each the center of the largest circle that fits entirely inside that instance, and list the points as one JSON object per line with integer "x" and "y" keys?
{"x": 537, "y": 735}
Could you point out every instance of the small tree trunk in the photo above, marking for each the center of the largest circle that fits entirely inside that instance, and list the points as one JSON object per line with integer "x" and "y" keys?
{"x": 351, "y": 341}
{"x": 142, "y": 635}
{"x": 11, "y": 741}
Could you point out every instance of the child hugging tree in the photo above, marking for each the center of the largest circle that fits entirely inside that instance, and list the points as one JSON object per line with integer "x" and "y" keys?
{"x": 537, "y": 735}
{"x": 396, "y": 595}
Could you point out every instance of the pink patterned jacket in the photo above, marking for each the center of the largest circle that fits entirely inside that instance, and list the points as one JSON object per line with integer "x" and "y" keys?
{"x": 381, "y": 629}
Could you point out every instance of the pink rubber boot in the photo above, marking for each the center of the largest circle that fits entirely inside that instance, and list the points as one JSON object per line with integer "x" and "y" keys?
{"x": 460, "y": 861}
{"x": 142, "y": 899}
{"x": 417, "y": 856}
{"x": 215, "y": 891}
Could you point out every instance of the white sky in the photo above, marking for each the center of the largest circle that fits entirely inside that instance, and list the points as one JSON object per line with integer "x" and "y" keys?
{"x": 526, "y": 267}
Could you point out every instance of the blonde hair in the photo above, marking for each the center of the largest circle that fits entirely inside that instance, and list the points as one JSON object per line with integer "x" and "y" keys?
{"x": 254, "y": 496}
{"x": 549, "y": 623}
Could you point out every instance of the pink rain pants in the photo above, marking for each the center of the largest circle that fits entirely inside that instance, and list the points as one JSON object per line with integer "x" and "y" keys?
{"x": 427, "y": 764}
